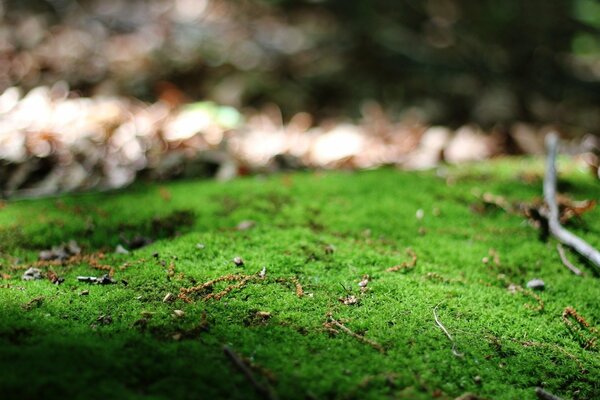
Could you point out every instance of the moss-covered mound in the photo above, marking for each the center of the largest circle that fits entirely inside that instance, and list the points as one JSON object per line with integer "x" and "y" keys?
{"x": 310, "y": 309}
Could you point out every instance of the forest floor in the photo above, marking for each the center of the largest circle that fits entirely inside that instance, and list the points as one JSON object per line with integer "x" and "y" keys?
{"x": 311, "y": 311}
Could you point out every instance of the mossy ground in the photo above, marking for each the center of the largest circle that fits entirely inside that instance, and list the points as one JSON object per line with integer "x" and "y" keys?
{"x": 58, "y": 347}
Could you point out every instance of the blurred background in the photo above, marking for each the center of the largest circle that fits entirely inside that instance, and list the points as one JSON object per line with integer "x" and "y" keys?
{"x": 99, "y": 93}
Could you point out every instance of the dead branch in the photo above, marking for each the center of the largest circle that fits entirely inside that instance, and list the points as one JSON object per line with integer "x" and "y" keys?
{"x": 566, "y": 262}
{"x": 239, "y": 363}
{"x": 443, "y": 328}
{"x": 563, "y": 235}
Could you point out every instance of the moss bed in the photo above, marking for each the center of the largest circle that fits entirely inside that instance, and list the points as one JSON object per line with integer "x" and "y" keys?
{"x": 304, "y": 328}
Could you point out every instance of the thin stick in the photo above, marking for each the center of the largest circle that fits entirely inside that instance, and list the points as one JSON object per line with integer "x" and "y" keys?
{"x": 339, "y": 325}
{"x": 544, "y": 395}
{"x": 566, "y": 262}
{"x": 443, "y": 328}
{"x": 563, "y": 235}
{"x": 241, "y": 365}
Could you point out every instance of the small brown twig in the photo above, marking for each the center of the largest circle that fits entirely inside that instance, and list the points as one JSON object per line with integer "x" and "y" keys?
{"x": 224, "y": 292}
{"x": 243, "y": 279}
{"x": 239, "y": 363}
{"x": 331, "y": 324}
{"x": 297, "y": 285}
{"x": 406, "y": 265}
{"x": 443, "y": 328}
{"x": 554, "y": 226}
{"x": 570, "y": 312}
{"x": 566, "y": 262}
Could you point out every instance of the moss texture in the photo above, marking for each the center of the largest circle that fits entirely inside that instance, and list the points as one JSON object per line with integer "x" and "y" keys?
{"x": 317, "y": 235}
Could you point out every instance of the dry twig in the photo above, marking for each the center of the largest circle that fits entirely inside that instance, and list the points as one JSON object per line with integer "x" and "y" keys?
{"x": 563, "y": 235}
{"x": 443, "y": 328}
{"x": 239, "y": 363}
{"x": 566, "y": 262}
{"x": 331, "y": 324}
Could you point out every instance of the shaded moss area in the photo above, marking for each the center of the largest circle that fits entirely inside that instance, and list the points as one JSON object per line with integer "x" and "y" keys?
{"x": 304, "y": 329}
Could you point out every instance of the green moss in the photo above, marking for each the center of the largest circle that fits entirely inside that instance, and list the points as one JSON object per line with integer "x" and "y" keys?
{"x": 327, "y": 229}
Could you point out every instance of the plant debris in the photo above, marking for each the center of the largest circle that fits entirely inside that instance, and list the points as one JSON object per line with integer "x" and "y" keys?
{"x": 103, "y": 280}
{"x": 514, "y": 288}
{"x": 33, "y": 303}
{"x": 238, "y": 261}
{"x": 121, "y": 250}
{"x": 566, "y": 262}
{"x": 241, "y": 364}
{"x": 420, "y": 214}
{"x": 171, "y": 270}
{"x": 104, "y": 319}
{"x": 137, "y": 242}
{"x": 54, "y": 278}
{"x": 363, "y": 283}
{"x": 298, "y": 285}
{"x": 406, "y": 265}
{"x": 95, "y": 263}
{"x": 329, "y": 249}
{"x": 581, "y": 327}
{"x": 205, "y": 289}
{"x": 245, "y": 225}
{"x": 553, "y": 215}
{"x": 434, "y": 276}
{"x": 495, "y": 257}
{"x": 179, "y": 313}
{"x": 256, "y": 318}
{"x": 32, "y": 274}
{"x": 61, "y": 253}
{"x": 334, "y": 326}
{"x": 168, "y": 298}
{"x": 349, "y": 300}
{"x": 443, "y": 328}
{"x": 294, "y": 281}
{"x": 545, "y": 395}
{"x": 536, "y": 284}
